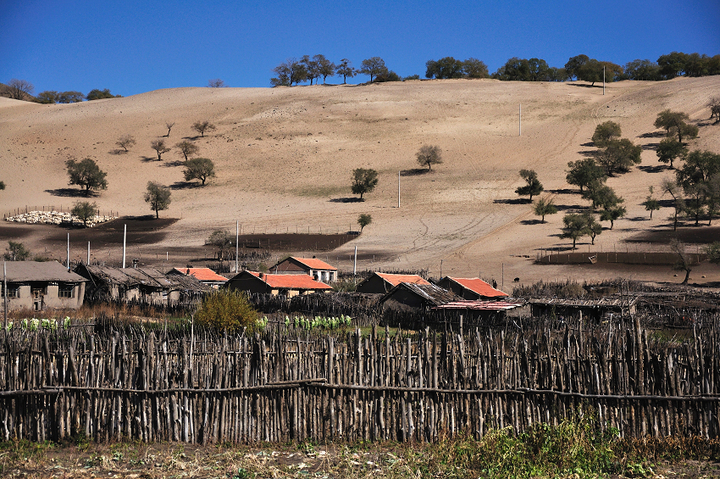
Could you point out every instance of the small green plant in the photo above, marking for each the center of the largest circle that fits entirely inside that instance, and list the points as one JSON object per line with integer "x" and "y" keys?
{"x": 318, "y": 322}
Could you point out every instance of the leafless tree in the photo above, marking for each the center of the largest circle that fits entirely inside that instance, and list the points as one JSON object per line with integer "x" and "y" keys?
{"x": 19, "y": 89}
{"x": 169, "y": 125}
{"x": 216, "y": 83}
{"x": 684, "y": 261}
{"x": 125, "y": 142}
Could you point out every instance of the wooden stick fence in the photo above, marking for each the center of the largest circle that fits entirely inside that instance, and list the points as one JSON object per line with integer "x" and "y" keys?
{"x": 420, "y": 387}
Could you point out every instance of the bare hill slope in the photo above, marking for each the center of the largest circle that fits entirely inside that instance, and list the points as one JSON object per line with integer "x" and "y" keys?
{"x": 284, "y": 159}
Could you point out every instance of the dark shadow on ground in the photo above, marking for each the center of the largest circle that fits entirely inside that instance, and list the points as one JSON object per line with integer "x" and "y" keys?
{"x": 346, "y": 200}
{"x": 589, "y": 153}
{"x": 654, "y": 169}
{"x": 638, "y": 218}
{"x": 564, "y": 191}
{"x": 588, "y": 144}
{"x": 148, "y": 159}
{"x": 530, "y": 222}
{"x": 698, "y": 235}
{"x": 650, "y": 146}
{"x": 653, "y": 134}
{"x": 184, "y": 185}
{"x": 169, "y": 164}
{"x": 72, "y": 193}
{"x": 513, "y": 201}
{"x": 666, "y": 203}
{"x": 571, "y": 207}
{"x": 118, "y": 151}
{"x": 415, "y": 172}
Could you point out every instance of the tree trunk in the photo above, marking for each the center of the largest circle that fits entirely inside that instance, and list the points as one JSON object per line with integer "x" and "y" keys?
{"x": 687, "y": 276}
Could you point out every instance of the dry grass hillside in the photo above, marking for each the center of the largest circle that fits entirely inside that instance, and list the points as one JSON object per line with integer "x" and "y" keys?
{"x": 284, "y": 159}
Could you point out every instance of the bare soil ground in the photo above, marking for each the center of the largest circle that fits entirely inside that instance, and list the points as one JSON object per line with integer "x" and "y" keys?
{"x": 284, "y": 159}
{"x": 149, "y": 461}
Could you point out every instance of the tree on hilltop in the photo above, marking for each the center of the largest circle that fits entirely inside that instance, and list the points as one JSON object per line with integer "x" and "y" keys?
{"x": 325, "y": 68}
{"x": 100, "y": 94}
{"x": 19, "y": 89}
{"x": 345, "y": 69}
{"x": 216, "y": 83}
{"x": 289, "y": 72}
{"x": 373, "y": 67}
{"x": 86, "y": 173}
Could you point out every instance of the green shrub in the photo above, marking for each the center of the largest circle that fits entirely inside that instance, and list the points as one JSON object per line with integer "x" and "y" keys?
{"x": 227, "y": 310}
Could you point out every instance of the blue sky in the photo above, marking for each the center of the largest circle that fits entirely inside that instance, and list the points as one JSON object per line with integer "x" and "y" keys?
{"x": 135, "y": 46}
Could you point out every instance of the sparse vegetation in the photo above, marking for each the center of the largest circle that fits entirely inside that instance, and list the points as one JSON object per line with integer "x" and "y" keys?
{"x": 187, "y": 149}
{"x": 126, "y": 142}
{"x": 605, "y": 132}
{"x": 86, "y": 173}
{"x": 203, "y": 126}
{"x": 364, "y": 181}
{"x": 533, "y": 186}
{"x": 159, "y": 147}
{"x": 584, "y": 173}
{"x": 19, "y": 89}
{"x": 169, "y": 125}
{"x": 669, "y": 150}
{"x": 675, "y": 124}
{"x": 158, "y": 196}
{"x": 684, "y": 262}
{"x": 216, "y": 83}
{"x": 364, "y": 220}
{"x": 85, "y": 211}
{"x": 651, "y": 204}
{"x": 200, "y": 169}
{"x": 429, "y": 155}
{"x": 16, "y": 251}
{"x": 576, "y": 226}
{"x": 100, "y": 94}
{"x": 223, "y": 241}
{"x": 714, "y": 105}
{"x": 543, "y": 208}
{"x": 619, "y": 155}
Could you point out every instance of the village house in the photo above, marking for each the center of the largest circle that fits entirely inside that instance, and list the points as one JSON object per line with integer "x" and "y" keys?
{"x": 204, "y": 275}
{"x": 595, "y": 309}
{"x": 140, "y": 285}
{"x": 384, "y": 282}
{"x": 317, "y": 269}
{"x": 276, "y": 284}
{"x": 41, "y": 285}
{"x": 471, "y": 288}
{"x": 406, "y": 296}
{"x": 474, "y": 312}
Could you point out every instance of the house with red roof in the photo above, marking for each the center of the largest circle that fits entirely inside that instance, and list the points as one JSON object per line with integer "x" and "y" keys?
{"x": 384, "y": 282}
{"x": 204, "y": 275}
{"x": 471, "y": 288}
{"x": 317, "y": 269}
{"x": 276, "y": 284}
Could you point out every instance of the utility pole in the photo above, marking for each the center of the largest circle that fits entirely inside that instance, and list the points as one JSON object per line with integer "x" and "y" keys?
{"x": 237, "y": 239}
{"x": 355, "y": 262}
{"x": 520, "y": 120}
{"x": 124, "y": 243}
{"x": 603, "y": 80}
{"x": 398, "y": 190}
{"x": 88, "y": 255}
{"x": 5, "y": 294}
{"x": 68, "y": 252}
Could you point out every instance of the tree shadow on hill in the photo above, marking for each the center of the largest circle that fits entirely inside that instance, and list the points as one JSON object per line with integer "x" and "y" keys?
{"x": 148, "y": 159}
{"x": 170, "y": 164}
{"x": 530, "y": 222}
{"x": 653, "y": 134}
{"x": 118, "y": 151}
{"x": 184, "y": 185}
{"x": 584, "y": 85}
{"x": 72, "y": 193}
{"x": 571, "y": 207}
{"x": 564, "y": 191}
{"x": 415, "y": 172}
{"x": 654, "y": 169}
{"x": 347, "y": 200}
{"x": 650, "y": 146}
{"x": 513, "y": 201}
{"x": 588, "y": 144}
{"x": 589, "y": 153}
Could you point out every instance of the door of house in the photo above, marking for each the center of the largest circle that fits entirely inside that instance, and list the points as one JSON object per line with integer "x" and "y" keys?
{"x": 37, "y": 296}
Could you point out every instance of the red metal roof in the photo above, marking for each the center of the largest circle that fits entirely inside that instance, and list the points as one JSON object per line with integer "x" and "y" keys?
{"x": 290, "y": 281}
{"x": 314, "y": 263}
{"x": 479, "y": 286}
{"x": 396, "y": 279}
{"x": 202, "y": 274}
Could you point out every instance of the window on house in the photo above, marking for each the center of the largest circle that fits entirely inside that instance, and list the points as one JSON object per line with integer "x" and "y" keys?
{"x": 66, "y": 291}
{"x": 12, "y": 291}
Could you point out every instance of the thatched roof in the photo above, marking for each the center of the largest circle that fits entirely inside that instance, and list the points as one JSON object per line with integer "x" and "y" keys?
{"x": 148, "y": 277}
